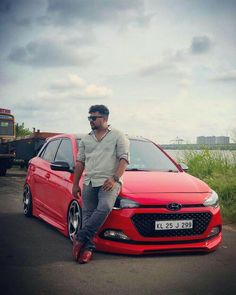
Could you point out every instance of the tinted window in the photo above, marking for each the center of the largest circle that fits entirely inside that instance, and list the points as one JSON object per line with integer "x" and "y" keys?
{"x": 144, "y": 155}
{"x": 50, "y": 150}
{"x": 65, "y": 152}
{"x": 6, "y": 127}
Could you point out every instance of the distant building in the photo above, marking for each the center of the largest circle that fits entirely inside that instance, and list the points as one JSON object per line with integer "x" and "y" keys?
{"x": 222, "y": 140}
{"x": 201, "y": 140}
{"x": 212, "y": 140}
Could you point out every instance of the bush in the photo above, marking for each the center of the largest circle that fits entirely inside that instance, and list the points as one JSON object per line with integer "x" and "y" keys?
{"x": 218, "y": 170}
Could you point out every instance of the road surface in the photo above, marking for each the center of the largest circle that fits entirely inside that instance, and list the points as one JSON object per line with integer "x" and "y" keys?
{"x": 36, "y": 259}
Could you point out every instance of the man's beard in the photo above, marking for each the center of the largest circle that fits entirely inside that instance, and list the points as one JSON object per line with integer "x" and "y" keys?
{"x": 93, "y": 127}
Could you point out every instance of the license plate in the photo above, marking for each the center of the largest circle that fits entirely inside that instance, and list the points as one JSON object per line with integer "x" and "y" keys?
{"x": 173, "y": 224}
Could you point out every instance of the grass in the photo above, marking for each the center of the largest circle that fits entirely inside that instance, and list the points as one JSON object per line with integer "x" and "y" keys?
{"x": 218, "y": 170}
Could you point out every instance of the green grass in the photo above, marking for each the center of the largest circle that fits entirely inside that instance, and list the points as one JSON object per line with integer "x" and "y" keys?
{"x": 218, "y": 170}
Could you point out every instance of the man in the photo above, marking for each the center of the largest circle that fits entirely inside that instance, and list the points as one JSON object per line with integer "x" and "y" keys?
{"x": 104, "y": 154}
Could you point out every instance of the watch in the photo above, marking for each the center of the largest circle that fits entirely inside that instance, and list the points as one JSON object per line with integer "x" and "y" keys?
{"x": 116, "y": 178}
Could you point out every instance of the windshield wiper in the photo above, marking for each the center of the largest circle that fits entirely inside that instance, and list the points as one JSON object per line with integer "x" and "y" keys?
{"x": 136, "y": 169}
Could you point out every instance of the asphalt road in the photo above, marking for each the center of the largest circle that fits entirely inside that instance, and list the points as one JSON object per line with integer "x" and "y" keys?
{"x": 36, "y": 259}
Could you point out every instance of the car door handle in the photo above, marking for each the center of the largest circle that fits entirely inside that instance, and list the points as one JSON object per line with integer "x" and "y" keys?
{"x": 47, "y": 175}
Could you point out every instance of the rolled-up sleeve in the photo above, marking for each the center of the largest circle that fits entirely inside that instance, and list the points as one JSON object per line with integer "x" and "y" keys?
{"x": 122, "y": 151}
{"x": 81, "y": 152}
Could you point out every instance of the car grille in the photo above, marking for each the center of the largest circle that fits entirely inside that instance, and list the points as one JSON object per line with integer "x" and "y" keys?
{"x": 145, "y": 224}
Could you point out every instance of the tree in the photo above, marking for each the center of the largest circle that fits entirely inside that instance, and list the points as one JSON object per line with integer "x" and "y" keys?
{"x": 21, "y": 130}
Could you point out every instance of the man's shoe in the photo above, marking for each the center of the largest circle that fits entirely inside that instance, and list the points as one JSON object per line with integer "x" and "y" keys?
{"x": 85, "y": 256}
{"x": 76, "y": 249}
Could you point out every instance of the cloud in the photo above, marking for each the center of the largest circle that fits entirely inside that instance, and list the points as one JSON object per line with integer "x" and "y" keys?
{"x": 174, "y": 62}
{"x": 20, "y": 12}
{"x": 161, "y": 68}
{"x": 84, "y": 40}
{"x": 227, "y": 76}
{"x": 93, "y": 90}
{"x": 48, "y": 53}
{"x": 72, "y": 81}
{"x": 5, "y": 6}
{"x": 200, "y": 45}
{"x": 74, "y": 87}
{"x": 93, "y": 11}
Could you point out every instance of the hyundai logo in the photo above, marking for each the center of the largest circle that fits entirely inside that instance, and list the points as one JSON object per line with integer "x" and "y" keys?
{"x": 174, "y": 206}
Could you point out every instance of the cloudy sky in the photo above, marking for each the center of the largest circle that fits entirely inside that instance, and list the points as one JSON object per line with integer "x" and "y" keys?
{"x": 165, "y": 68}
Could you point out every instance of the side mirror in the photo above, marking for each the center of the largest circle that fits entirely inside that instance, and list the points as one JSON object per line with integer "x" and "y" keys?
{"x": 61, "y": 166}
{"x": 183, "y": 167}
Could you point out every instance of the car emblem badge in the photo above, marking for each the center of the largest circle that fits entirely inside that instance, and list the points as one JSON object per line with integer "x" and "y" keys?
{"x": 174, "y": 206}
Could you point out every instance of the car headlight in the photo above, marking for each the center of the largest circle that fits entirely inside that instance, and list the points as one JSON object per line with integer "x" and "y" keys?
{"x": 122, "y": 203}
{"x": 212, "y": 200}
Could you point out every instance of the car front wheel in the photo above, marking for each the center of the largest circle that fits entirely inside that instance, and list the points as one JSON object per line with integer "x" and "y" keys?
{"x": 27, "y": 201}
{"x": 74, "y": 219}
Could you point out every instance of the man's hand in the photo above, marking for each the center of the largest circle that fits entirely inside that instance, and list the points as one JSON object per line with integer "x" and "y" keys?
{"x": 108, "y": 184}
{"x": 76, "y": 191}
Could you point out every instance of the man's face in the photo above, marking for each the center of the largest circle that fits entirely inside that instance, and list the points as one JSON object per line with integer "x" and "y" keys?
{"x": 97, "y": 120}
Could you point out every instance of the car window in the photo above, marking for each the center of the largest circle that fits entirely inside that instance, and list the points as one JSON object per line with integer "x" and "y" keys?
{"x": 50, "y": 150}
{"x": 65, "y": 152}
{"x": 144, "y": 155}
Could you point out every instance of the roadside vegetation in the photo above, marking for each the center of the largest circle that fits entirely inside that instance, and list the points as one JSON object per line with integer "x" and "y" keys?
{"x": 21, "y": 130}
{"x": 218, "y": 170}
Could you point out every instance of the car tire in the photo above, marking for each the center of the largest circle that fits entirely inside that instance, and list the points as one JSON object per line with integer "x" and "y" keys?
{"x": 27, "y": 201}
{"x": 74, "y": 219}
{"x": 3, "y": 171}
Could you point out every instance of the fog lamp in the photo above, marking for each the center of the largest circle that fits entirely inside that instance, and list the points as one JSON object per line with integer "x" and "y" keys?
{"x": 215, "y": 230}
{"x": 115, "y": 234}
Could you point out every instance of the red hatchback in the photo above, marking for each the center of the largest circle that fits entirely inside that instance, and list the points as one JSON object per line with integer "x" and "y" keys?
{"x": 160, "y": 208}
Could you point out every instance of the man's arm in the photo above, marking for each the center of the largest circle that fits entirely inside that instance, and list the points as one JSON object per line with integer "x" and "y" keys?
{"x": 122, "y": 153}
{"x": 79, "y": 168}
{"x": 110, "y": 182}
{"x": 121, "y": 168}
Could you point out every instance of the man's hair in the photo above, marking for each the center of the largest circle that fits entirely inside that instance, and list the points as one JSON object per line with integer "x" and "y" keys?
{"x": 103, "y": 110}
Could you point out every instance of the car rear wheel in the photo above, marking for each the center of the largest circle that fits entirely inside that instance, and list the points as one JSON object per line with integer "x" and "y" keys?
{"x": 27, "y": 201}
{"x": 74, "y": 219}
{"x": 3, "y": 171}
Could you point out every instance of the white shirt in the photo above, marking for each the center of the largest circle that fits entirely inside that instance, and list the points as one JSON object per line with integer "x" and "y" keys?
{"x": 101, "y": 158}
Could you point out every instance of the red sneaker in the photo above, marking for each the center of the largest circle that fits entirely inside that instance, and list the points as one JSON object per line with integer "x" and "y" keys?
{"x": 85, "y": 256}
{"x": 76, "y": 249}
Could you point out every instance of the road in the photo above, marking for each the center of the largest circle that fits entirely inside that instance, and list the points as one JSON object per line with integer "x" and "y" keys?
{"x": 36, "y": 259}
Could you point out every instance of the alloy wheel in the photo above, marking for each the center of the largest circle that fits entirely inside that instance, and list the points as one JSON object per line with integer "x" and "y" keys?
{"x": 74, "y": 219}
{"x": 27, "y": 201}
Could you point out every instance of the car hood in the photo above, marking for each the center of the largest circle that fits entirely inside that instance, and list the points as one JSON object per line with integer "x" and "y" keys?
{"x": 162, "y": 182}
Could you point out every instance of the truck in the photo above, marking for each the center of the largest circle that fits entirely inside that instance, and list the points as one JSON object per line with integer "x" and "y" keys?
{"x": 27, "y": 147}
{"x": 17, "y": 149}
{"x": 7, "y": 133}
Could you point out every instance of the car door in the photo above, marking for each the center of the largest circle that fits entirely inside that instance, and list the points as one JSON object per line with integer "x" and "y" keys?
{"x": 41, "y": 174}
{"x": 59, "y": 196}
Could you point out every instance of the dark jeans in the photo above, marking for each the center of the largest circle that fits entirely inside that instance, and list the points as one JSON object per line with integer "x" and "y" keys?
{"x": 97, "y": 204}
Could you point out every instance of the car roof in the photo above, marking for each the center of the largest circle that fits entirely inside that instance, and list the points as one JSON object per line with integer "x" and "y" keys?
{"x": 81, "y": 135}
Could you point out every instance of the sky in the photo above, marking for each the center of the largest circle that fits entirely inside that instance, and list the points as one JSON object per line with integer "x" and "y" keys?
{"x": 164, "y": 68}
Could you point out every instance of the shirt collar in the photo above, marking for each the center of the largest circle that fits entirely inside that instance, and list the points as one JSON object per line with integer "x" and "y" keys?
{"x": 109, "y": 128}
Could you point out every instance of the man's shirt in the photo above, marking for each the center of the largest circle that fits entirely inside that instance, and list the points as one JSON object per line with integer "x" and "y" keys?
{"x": 101, "y": 158}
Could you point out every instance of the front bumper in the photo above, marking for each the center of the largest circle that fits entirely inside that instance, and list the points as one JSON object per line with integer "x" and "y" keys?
{"x": 121, "y": 220}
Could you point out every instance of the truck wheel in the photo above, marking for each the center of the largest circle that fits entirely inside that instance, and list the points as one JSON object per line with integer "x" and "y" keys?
{"x": 3, "y": 171}
{"x": 27, "y": 201}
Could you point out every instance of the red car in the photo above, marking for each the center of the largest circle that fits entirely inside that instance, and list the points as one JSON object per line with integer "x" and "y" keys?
{"x": 160, "y": 208}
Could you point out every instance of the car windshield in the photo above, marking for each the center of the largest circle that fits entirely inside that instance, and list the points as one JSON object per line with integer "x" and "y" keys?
{"x": 146, "y": 156}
